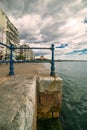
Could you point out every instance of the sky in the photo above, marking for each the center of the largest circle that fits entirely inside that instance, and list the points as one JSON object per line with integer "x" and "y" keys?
{"x": 44, "y": 22}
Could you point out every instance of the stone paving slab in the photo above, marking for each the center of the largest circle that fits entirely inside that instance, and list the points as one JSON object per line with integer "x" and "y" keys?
{"x": 17, "y": 103}
{"x": 23, "y": 69}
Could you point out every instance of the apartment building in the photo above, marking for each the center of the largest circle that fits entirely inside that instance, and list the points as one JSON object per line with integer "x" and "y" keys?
{"x": 2, "y": 34}
{"x": 8, "y": 35}
{"x": 28, "y": 54}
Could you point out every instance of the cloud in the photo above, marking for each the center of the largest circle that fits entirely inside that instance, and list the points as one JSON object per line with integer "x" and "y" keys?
{"x": 28, "y": 26}
{"x": 42, "y": 23}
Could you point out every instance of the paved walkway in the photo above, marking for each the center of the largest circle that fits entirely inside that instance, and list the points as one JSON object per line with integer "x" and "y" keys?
{"x": 22, "y": 69}
{"x": 18, "y": 96}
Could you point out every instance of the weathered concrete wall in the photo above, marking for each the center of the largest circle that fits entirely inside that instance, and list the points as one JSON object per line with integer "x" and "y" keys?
{"x": 49, "y": 97}
{"x": 18, "y": 103}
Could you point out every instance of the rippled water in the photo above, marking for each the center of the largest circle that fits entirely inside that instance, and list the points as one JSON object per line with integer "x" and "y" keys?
{"x": 74, "y": 107}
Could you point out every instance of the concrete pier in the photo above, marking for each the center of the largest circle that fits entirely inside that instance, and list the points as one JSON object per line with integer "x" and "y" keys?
{"x": 30, "y": 94}
{"x": 49, "y": 97}
{"x": 18, "y": 103}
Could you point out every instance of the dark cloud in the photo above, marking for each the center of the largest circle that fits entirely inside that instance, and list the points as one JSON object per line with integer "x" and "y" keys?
{"x": 30, "y": 6}
{"x": 84, "y": 3}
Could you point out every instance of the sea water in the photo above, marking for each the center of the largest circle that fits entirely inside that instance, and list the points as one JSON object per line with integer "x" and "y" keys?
{"x": 74, "y": 102}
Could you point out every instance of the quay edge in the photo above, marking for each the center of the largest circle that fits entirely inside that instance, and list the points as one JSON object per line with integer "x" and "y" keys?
{"x": 26, "y": 98}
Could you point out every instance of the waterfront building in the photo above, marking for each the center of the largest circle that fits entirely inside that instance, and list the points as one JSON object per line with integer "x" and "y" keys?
{"x": 28, "y": 54}
{"x": 42, "y": 57}
{"x": 8, "y": 35}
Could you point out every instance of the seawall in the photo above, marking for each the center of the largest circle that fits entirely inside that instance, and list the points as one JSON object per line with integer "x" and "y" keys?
{"x": 30, "y": 94}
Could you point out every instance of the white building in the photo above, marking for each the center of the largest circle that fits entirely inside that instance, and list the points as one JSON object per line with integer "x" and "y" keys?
{"x": 8, "y": 34}
{"x": 27, "y": 53}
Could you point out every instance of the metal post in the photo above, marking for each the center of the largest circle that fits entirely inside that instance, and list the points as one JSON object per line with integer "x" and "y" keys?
{"x": 52, "y": 62}
{"x": 11, "y": 68}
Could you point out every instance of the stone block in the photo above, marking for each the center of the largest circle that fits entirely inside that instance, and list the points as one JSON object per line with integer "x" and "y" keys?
{"x": 50, "y": 96}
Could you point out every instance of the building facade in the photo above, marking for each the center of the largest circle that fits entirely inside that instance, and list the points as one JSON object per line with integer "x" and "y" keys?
{"x": 28, "y": 54}
{"x": 8, "y": 35}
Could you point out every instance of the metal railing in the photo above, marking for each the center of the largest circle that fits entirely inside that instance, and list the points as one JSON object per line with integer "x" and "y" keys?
{"x": 11, "y": 61}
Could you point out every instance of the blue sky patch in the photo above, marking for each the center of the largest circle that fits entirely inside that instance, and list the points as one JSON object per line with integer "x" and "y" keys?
{"x": 85, "y": 20}
{"x": 62, "y": 46}
{"x": 83, "y": 51}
